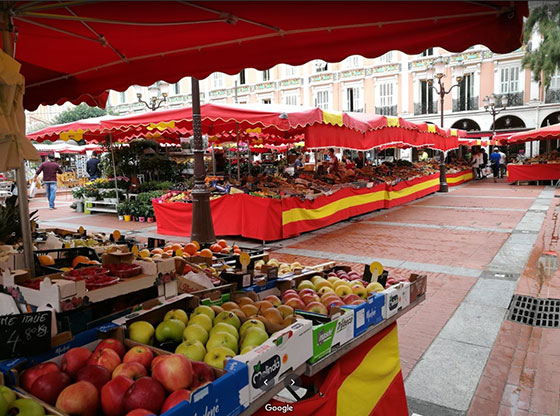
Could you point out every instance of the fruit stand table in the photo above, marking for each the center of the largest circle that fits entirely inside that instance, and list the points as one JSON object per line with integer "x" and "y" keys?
{"x": 398, "y": 397}
{"x": 536, "y": 172}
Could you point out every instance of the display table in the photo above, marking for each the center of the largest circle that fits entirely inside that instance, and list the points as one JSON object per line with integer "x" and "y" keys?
{"x": 536, "y": 172}
{"x": 269, "y": 219}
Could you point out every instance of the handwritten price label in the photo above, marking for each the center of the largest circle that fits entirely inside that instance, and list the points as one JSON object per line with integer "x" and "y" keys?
{"x": 25, "y": 334}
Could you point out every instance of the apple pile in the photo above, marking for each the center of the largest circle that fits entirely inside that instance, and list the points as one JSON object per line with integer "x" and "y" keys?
{"x": 116, "y": 381}
{"x": 11, "y": 405}
{"x": 319, "y": 295}
{"x": 214, "y": 334}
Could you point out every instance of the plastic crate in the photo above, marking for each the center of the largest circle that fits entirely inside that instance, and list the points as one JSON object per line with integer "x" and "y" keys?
{"x": 62, "y": 258}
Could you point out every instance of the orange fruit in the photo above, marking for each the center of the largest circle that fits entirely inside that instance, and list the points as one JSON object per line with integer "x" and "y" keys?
{"x": 216, "y": 248}
{"x": 157, "y": 251}
{"x": 46, "y": 260}
{"x": 176, "y": 247}
{"x": 196, "y": 244}
{"x": 222, "y": 243}
{"x": 80, "y": 259}
{"x": 206, "y": 253}
{"x": 235, "y": 246}
{"x": 190, "y": 248}
{"x": 225, "y": 250}
{"x": 237, "y": 250}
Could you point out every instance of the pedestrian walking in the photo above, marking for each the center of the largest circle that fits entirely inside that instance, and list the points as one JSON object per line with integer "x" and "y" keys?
{"x": 92, "y": 167}
{"x": 49, "y": 169}
{"x": 476, "y": 163}
{"x": 495, "y": 163}
{"x": 484, "y": 161}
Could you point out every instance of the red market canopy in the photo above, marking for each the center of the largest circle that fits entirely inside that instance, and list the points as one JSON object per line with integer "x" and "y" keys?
{"x": 77, "y": 50}
{"x": 544, "y": 133}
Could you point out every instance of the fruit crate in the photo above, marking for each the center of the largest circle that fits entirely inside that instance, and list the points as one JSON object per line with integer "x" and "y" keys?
{"x": 418, "y": 285}
{"x": 367, "y": 314}
{"x": 62, "y": 257}
{"x": 228, "y": 394}
{"x": 397, "y": 297}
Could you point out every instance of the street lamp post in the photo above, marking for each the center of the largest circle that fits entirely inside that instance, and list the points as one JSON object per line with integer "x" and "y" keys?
{"x": 158, "y": 95}
{"x": 489, "y": 103}
{"x": 437, "y": 71}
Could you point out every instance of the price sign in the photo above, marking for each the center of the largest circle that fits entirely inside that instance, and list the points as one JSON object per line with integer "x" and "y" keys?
{"x": 244, "y": 259}
{"x": 116, "y": 235}
{"x": 376, "y": 270}
{"x": 25, "y": 334}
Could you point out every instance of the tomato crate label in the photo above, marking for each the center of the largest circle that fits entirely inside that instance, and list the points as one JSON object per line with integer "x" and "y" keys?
{"x": 25, "y": 334}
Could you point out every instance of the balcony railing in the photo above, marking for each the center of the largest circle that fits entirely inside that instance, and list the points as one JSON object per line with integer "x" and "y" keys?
{"x": 552, "y": 95}
{"x": 390, "y": 110}
{"x": 424, "y": 108}
{"x": 465, "y": 105}
{"x": 515, "y": 99}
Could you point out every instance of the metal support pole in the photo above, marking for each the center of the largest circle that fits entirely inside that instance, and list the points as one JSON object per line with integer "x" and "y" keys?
{"x": 21, "y": 180}
{"x": 202, "y": 228}
{"x": 114, "y": 165}
{"x": 442, "y": 178}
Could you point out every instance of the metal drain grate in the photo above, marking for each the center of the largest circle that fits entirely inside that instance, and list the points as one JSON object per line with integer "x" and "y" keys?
{"x": 544, "y": 313}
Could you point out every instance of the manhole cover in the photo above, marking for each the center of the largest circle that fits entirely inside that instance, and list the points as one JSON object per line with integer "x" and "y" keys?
{"x": 527, "y": 310}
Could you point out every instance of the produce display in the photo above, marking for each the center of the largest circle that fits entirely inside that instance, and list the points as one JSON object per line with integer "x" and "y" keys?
{"x": 114, "y": 380}
{"x": 552, "y": 157}
{"x": 10, "y": 404}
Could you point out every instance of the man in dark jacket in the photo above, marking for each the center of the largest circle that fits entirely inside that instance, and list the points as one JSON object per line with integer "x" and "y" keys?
{"x": 92, "y": 167}
{"x": 50, "y": 169}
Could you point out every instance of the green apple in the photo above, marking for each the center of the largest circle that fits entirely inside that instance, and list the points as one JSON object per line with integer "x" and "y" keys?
{"x": 223, "y": 327}
{"x": 249, "y": 324}
{"x": 195, "y": 332}
{"x": 8, "y": 394}
{"x": 141, "y": 331}
{"x": 247, "y": 348}
{"x": 26, "y": 407}
{"x": 222, "y": 339}
{"x": 179, "y": 314}
{"x": 229, "y": 318}
{"x": 4, "y": 405}
{"x": 205, "y": 310}
{"x": 202, "y": 320}
{"x": 193, "y": 350}
{"x": 218, "y": 356}
{"x": 306, "y": 284}
{"x": 172, "y": 329}
{"x": 253, "y": 336}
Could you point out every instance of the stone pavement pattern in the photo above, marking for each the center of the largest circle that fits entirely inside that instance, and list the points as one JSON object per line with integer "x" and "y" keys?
{"x": 478, "y": 244}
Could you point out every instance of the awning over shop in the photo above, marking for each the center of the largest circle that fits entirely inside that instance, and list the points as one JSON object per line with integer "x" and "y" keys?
{"x": 544, "y": 133}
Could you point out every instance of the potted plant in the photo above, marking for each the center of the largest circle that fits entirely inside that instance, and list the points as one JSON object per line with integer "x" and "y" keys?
{"x": 78, "y": 194}
{"x": 150, "y": 212}
{"x": 110, "y": 196}
{"x": 134, "y": 210}
{"x": 91, "y": 194}
{"x": 121, "y": 209}
{"x": 125, "y": 208}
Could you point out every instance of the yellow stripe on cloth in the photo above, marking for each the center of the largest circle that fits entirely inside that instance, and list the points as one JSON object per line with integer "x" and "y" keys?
{"x": 302, "y": 214}
{"x": 431, "y": 128}
{"x": 332, "y": 118}
{"x": 161, "y": 126}
{"x": 465, "y": 177}
{"x": 363, "y": 388}
{"x": 412, "y": 189}
{"x": 392, "y": 121}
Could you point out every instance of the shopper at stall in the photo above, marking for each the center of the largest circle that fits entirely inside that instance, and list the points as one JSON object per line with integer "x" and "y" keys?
{"x": 298, "y": 164}
{"x": 503, "y": 163}
{"x": 49, "y": 169}
{"x": 92, "y": 167}
{"x": 521, "y": 156}
{"x": 422, "y": 155}
{"x": 360, "y": 161}
{"x": 495, "y": 163}
{"x": 476, "y": 163}
{"x": 333, "y": 161}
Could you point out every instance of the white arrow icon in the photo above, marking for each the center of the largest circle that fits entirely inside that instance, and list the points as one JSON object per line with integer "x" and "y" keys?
{"x": 265, "y": 383}
{"x": 293, "y": 382}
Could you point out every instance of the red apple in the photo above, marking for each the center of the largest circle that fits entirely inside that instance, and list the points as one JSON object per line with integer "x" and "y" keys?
{"x": 140, "y": 354}
{"x": 156, "y": 360}
{"x": 79, "y": 399}
{"x": 350, "y": 298}
{"x": 131, "y": 369}
{"x": 290, "y": 296}
{"x": 306, "y": 291}
{"x": 106, "y": 357}
{"x": 335, "y": 303}
{"x": 30, "y": 375}
{"x": 114, "y": 344}
{"x": 288, "y": 292}
{"x": 145, "y": 393}
{"x": 74, "y": 359}
{"x": 48, "y": 386}
{"x": 274, "y": 300}
{"x": 140, "y": 412}
{"x": 295, "y": 303}
{"x": 317, "y": 307}
{"x": 357, "y": 302}
{"x": 307, "y": 298}
{"x": 202, "y": 373}
{"x": 174, "y": 372}
{"x": 95, "y": 374}
{"x": 112, "y": 395}
{"x": 175, "y": 398}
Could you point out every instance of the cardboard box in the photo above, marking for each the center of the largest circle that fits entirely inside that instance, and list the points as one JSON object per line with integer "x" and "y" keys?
{"x": 227, "y": 395}
{"x": 154, "y": 310}
{"x": 418, "y": 286}
{"x": 60, "y": 293}
{"x": 158, "y": 266}
{"x": 333, "y": 334}
{"x": 282, "y": 353}
{"x": 367, "y": 314}
{"x": 242, "y": 279}
{"x": 397, "y": 297}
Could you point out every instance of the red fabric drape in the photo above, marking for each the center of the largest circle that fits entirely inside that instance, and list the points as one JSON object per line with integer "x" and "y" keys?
{"x": 538, "y": 172}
